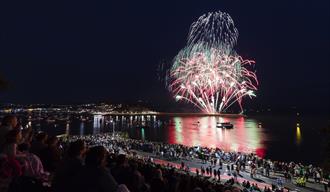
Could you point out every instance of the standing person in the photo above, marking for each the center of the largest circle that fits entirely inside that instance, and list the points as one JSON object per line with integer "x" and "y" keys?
{"x": 228, "y": 169}
{"x": 325, "y": 184}
{"x": 237, "y": 169}
{"x": 235, "y": 175}
{"x": 187, "y": 169}
{"x": 267, "y": 170}
{"x": 197, "y": 172}
{"x": 220, "y": 163}
{"x": 219, "y": 173}
{"x": 242, "y": 165}
{"x": 317, "y": 176}
{"x": 253, "y": 167}
{"x": 182, "y": 165}
{"x": 202, "y": 157}
{"x": 202, "y": 171}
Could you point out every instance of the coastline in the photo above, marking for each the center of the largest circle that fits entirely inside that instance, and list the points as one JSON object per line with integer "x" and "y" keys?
{"x": 177, "y": 114}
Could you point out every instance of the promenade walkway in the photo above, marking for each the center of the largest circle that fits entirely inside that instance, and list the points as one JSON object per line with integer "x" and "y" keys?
{"x": 260, "y": 180}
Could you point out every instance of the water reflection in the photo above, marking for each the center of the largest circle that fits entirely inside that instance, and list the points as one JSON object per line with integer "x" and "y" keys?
{"x": 67, "y": 128}
{"x": 98, "y": 123}
{"x": 81, "y": 128}
{"x": 298, "y": 134}
{"x": 142, "y": 134}
{"x": 246, "y": 135}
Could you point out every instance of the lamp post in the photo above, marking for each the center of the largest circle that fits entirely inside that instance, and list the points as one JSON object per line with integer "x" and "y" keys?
{"x": 113, "y": 127}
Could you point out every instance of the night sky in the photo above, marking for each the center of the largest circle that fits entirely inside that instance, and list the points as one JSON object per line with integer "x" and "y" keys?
{"x": 87, "y": 51}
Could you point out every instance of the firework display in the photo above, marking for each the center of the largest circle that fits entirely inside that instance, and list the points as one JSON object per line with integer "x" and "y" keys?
{"x": 208, "y": 72}
{"x": 213, "y": 30}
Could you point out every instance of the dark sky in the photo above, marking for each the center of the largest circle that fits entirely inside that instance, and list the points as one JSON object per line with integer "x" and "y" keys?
{"x": 93, "y": 51}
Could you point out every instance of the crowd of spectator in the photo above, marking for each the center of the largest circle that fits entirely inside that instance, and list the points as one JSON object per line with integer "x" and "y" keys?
{"x": 235, "y": 161}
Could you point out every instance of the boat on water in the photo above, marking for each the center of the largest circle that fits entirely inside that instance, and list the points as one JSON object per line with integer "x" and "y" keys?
{"x": 225, "y": 125}
{"x": 197, "y": 123}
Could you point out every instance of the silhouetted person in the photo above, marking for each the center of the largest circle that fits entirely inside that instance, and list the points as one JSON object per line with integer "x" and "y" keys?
{"x": 8, "y": 123}
{"x": 121, "y": 171}
{"x": 136, "y": 178}
{"x": 95, "y": 177}
{"x": 158, "y": 183}
{"x": 172, "y": 181}
{"x": 71, "y": 165}
{"x": 51, "y": 155}
{"x": 11, "y": 142}
{"x": 39, "y": 143}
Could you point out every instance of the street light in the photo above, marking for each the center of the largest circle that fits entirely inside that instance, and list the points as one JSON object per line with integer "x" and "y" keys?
{"x": 113, "y": 127}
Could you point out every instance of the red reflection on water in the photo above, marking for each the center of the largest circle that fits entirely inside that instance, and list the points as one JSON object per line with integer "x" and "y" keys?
{"x": 202, "y": 131}
{"x": 240, "y": 126}
{"x": 171, "y": 135}
{"x": 261, "y": 152}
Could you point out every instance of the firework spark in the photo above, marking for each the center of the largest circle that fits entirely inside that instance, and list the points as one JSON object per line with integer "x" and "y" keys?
{"x": 207, "y": 72}
{"x": 213, "y": 30}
